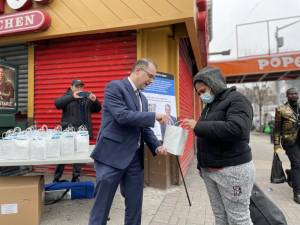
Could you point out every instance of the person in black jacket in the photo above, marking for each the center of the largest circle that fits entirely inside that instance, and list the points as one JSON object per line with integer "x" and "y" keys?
{"x": 77, "y": 107}
{"x": 224, "y": 156}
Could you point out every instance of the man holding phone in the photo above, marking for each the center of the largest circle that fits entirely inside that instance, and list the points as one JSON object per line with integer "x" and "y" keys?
{"x": 77, "y": 106}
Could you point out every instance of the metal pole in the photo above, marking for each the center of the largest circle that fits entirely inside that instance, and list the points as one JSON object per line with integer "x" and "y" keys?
{"x": 276, "y": 38}
{"x": 268, "y": 29}
{"x": 187, "y": 194}
{"x": 237, "y": 41}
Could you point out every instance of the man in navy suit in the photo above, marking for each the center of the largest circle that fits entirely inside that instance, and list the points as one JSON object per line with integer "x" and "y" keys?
{"x": 119, "y": 151}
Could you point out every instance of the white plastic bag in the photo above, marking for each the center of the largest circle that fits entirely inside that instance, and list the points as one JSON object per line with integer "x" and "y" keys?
{"x": 38, "y": 148}
{"x": 8, "y": 146}
{"x": 175, "y": 139}
{"x": 68, "y": 142}
{"x": 82, "y": 140}
{"x": 22, "y": 146}
{"x": 38, "y": 144}
{"x": 54, "y": 143}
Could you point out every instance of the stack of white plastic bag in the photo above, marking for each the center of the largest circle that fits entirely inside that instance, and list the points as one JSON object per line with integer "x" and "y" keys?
{"x": 43, "y": 143}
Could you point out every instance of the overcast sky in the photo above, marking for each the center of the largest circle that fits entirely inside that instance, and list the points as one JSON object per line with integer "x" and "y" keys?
{"x": 253, "y": 39}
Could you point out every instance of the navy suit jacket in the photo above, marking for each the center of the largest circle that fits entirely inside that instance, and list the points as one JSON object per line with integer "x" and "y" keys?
{"x": 122, "y": 126}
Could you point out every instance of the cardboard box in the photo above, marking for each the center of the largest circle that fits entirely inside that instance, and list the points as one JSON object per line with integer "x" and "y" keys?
{"x": 21, "y": 200}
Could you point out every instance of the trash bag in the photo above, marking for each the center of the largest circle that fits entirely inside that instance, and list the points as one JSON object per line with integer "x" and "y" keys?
{"x": 277, "y": 173}
{"x": 267, "y": 129}
{"x": 263, "y": 211}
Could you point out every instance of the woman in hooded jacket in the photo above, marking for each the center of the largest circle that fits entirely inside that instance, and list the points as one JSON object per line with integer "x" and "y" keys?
{"x": 224, "y": 156}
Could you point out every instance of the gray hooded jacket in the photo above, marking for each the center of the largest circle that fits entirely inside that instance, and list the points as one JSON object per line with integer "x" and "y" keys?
{"x": 212, "y": 77}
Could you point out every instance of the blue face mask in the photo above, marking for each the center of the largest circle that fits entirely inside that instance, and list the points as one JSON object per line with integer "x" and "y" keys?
{"x": 207, "y": 97}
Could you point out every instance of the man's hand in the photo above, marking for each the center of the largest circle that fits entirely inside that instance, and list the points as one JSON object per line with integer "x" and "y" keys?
{"x": 277, "y": 148}
{"x": 75, "y": 94}
{"x": 161, "y": 150}
{"x": 161, "y": 118}
{"x": 92, "y": 97}
{"x": 189, "y": 123}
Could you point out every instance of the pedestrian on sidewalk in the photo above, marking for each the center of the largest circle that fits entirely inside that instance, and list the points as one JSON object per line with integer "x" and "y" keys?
{"x": 224, "y": 156}
{"x": 76, "y": 106}
{"x": 287, "y": 136}
{"x": 119, "y": 151}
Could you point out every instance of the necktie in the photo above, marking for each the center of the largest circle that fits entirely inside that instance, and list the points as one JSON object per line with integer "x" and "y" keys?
{"x": 137, "y": 93}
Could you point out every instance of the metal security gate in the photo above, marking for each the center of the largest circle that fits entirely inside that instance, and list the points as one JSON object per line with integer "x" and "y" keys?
{"x": 95, "y": 59}
{"x": 17, "y": 55}
{"x": 186, "y": 103}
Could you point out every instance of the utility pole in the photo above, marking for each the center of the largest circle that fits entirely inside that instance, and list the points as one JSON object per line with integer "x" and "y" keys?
{"x": 280, "y": 40}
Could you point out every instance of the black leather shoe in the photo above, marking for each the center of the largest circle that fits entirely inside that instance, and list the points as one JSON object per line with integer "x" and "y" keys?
{"x": 297, "y": 198}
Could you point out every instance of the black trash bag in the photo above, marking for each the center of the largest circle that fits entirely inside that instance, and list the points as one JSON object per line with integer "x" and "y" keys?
{"x": 277, "y": 173}
{"x": 263, "y": 211}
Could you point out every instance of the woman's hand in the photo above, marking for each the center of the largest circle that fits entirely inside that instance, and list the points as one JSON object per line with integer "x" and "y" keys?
{"x": 189, "y": 123}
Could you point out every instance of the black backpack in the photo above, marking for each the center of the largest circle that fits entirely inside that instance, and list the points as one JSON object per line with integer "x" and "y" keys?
{"x": 263, "y": 211}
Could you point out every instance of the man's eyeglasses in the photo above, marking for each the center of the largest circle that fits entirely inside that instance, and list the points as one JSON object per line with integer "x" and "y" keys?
{"x": 150, "y": 75}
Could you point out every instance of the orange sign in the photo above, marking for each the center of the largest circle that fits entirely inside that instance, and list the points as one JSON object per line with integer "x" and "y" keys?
{"x": 270, "y": 64}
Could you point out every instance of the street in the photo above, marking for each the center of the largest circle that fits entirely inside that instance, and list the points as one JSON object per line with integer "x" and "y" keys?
{"x": 170, "y": 207}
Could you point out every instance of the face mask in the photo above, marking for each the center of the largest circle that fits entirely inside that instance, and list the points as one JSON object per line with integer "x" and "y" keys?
{"x": 207, "y": 97}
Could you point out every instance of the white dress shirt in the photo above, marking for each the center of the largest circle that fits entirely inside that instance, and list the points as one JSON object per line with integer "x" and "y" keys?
{"x": 136, "y": 91}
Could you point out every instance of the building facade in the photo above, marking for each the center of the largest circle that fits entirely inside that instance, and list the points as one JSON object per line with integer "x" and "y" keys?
{"x": 54, "y": 42}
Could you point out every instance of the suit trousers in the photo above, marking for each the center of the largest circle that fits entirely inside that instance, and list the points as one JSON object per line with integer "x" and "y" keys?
{"x": 293, "y": 153}
{"x": 131, "y": 182}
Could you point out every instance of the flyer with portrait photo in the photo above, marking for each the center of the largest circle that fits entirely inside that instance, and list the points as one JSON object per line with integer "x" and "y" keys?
{"x": 161, "y": 98}
{"x": 8, "y": 76}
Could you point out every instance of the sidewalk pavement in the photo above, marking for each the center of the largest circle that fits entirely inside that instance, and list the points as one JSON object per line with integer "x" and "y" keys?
{"x": 170, "y": 207}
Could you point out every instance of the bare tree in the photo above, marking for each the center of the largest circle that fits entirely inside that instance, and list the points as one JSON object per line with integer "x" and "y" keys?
{"x": 259, "y": 95}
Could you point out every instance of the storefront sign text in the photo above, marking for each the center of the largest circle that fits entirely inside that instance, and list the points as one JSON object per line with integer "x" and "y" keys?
{"x": 34, "y": 20}
{"x": 275, "y": 62}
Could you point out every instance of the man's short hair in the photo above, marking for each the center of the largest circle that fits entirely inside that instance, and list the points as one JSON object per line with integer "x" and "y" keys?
{"x": 142, "y": 64}
{"x": 77, "y": 83}
{"x": 291, "y": 89}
